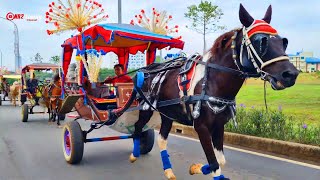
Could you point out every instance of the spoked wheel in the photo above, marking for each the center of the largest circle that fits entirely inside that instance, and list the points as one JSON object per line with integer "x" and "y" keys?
{"x": 147, "y": 141}
{"x": 72, "y": 142}
{"x": 24, "y": 112}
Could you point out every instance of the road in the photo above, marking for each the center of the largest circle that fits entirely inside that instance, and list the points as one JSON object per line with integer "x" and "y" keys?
{"x": 33, "y": 151}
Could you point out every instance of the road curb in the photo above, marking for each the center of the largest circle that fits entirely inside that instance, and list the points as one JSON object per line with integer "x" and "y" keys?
{"x": 293, "y": 150}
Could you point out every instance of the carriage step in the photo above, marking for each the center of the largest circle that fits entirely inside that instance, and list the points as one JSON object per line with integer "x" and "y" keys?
{"x": 69, "y": 103}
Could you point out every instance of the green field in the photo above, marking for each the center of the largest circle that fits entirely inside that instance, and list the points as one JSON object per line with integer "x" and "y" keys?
{"x": 302, "y": 100}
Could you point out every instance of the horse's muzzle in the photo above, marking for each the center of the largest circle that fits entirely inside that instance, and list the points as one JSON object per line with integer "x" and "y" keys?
{"x": 284, "y": 80}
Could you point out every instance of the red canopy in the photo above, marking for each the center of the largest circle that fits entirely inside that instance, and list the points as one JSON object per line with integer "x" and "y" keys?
{"x": 122, "y": 39}
{"x": 39, "y": 66}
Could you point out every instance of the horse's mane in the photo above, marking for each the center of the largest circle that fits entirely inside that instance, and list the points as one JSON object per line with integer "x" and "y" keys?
{"x": 223, "y": 42}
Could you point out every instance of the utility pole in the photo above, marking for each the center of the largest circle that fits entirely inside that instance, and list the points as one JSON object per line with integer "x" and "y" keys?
{"x": 1, "y": 60}
{"x": 119, "y": 12}
{"x": 16, "y": 46}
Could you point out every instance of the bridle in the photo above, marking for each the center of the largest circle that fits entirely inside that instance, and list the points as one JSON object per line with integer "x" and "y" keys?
{"x": 252, "y": 53}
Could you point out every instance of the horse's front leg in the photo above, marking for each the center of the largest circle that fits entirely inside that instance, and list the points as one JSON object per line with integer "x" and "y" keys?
{"x": 144, "y": 117}
{"x": 165, "y": 128}
{"x": 217, "y": 140}
{"x": 212, "y": 167}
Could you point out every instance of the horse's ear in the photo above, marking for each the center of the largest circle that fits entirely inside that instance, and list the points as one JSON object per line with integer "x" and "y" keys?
{"x": 245, "y": 18}
{"x": 267, "y": 16}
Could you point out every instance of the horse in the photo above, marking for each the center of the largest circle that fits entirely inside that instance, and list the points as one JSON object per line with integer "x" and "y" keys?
{"x": 255, "y": 50}
{"x": 14, "y": 92}
{"x": 51, "y": 99}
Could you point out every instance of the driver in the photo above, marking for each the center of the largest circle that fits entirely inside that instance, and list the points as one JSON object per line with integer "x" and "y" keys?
{"x": 32, "y": 85}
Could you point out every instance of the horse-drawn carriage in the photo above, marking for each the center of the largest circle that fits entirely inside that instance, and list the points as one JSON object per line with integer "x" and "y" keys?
{"x": 122, "y": 39}
{"x": 41, "y": 92}
{"x": 6, "y": 90}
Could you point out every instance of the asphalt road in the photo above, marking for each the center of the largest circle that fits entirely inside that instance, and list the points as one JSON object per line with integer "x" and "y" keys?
{"x": 33, "y": 151}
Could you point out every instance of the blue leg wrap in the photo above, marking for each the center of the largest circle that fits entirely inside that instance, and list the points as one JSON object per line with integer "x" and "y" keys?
{"x": 136, "y": 147}
{"x": 218, "y": 177}
{"x": 165, "y": 160}
{"x": 206, "y": 169}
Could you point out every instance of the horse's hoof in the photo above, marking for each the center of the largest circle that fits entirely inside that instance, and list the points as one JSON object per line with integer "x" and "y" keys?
{"x": 221, "y": 177}
{"x": 195, "y": 169}
{"x": 169, "y": 174}
{"x": 132, "y": 159}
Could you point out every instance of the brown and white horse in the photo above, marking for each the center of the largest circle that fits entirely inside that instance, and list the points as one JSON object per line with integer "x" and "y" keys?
{"x": 256, "y": 48}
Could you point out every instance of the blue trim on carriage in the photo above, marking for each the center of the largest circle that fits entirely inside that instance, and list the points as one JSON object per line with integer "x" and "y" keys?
{"x": 136, "y": 147}
{"x": 219, "y": 177}
{"x": 108, "y": 138}
{"x": 206, "y": 169}
{"x": 85, "y": 96}
{"x": 125, "y": 137}
{"x": 165, "y": 160}
{"x": 134, "y": 29}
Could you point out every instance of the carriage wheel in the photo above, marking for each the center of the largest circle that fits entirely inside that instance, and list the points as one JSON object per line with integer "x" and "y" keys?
{"x": 72, "y": 142}
{"x": 0, "y": 101}
{"x": 147, "y": 141}
{"x": 24, "y": 112}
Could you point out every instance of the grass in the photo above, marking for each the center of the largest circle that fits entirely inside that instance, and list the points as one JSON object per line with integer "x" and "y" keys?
{"x": 302, "y": 100}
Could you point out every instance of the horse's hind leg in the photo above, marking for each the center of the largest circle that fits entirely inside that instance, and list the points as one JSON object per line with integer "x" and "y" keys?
{"x": 165, "y": 128}
{"x": 144, "y": 117}
{"x": 212, "y": 167}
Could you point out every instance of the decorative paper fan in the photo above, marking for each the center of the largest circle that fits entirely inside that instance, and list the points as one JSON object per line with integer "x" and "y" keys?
{"x": 158, "y": 23}
{"x": 74, "y": 15}
{"x": 4, "y": 70}
{"x": 92, "y": 63}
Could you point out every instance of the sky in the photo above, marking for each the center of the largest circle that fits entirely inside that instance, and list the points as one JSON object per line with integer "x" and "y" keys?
{"x": 297, "y": 20}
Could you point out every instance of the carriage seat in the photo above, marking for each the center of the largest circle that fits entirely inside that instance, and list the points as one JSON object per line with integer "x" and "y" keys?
{"x": 104, "y": 104}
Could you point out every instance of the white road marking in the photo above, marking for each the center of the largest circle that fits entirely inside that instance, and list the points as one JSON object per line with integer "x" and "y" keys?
{"x": 257, "y": 154}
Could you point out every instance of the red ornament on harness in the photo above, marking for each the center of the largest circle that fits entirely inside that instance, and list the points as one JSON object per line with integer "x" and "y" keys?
{"x": 260, "y": 26}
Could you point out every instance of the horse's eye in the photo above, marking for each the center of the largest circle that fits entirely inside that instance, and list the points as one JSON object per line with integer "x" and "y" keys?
{"x": 263, "y": 46}
{"x": 285, "y": 43}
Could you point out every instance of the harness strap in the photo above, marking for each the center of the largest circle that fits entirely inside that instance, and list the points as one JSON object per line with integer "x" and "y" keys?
{"x": 281, "y": 58}
{"x": 195, "y": 98}
{"x": 229, "y": 70}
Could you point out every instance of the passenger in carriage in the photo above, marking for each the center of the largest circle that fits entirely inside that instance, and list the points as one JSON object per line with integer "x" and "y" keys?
{"x": 4, "y": 87}
{"x": 120, "y": 76}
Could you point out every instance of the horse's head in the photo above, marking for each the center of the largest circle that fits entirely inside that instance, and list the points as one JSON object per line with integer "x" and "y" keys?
{"x": 264, "y": 51}
{"x": 57, "y": 80}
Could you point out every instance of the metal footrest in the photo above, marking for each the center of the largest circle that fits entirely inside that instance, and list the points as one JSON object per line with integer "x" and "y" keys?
{"x": 68, "y": 103}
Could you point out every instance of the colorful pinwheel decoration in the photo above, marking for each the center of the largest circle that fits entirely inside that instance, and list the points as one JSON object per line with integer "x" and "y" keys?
{"x": 158, "y": 23}
{"x": 74, "y": 15}
{"x": 3, "y": 70}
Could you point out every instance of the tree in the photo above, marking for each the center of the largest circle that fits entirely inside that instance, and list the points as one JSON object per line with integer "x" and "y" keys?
{"x": 55, "y": 59}
{"x": 37, "y": 58}
{"x": 205, "y": 18}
